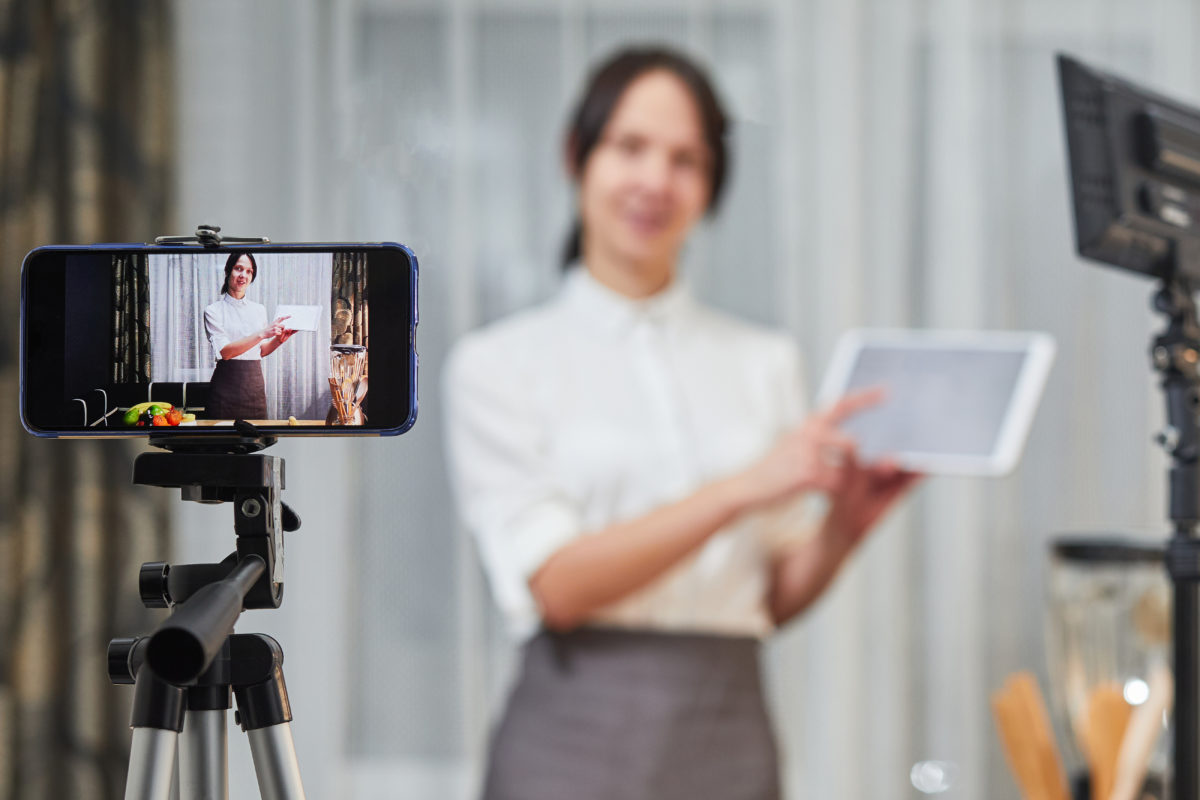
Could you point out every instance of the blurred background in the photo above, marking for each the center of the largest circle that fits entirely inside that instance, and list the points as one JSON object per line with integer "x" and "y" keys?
{"x": 896, "y": 163}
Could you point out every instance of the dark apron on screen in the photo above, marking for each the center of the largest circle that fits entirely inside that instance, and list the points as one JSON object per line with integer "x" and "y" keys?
{"x": 237, "y": 391}
{"x": 605, "y": 714}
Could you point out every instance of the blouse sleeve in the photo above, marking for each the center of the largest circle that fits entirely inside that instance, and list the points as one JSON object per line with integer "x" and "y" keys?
{"x": 217, "y": 336}
{"x": 499, "y": 468}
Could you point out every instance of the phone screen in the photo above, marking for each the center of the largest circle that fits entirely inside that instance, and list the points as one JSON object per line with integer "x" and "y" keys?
{"x": 168, "y": 340}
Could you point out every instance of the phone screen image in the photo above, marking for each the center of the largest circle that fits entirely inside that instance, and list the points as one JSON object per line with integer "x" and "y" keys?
{"x": 165, "y": 340}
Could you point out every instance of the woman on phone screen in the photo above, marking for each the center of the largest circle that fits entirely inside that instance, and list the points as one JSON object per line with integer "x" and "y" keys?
{"x": 241, "y": 337}
{"x": 633, "y": 463}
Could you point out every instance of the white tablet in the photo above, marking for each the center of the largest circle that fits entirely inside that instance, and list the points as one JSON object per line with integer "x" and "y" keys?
{"x": 956, "y": 403}
{"x": 299, "y": 318}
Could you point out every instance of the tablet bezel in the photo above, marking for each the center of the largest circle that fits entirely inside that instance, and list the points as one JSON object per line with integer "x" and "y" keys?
{"x": 1039, "y": 349}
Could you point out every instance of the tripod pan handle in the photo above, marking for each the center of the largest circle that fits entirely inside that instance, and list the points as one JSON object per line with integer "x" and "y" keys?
{"x": 186, "y": 643}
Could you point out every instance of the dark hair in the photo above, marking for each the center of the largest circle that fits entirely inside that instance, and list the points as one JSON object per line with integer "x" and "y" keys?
{"x": 229, "y": 264}
{"x": 605, "y": 88}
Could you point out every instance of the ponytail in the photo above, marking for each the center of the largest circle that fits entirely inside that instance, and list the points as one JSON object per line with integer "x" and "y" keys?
{"x": 573, "y": 248}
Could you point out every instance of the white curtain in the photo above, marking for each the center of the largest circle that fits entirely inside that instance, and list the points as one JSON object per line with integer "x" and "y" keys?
{"x": 183, "y": 284}
{"x": 896, "y": 162}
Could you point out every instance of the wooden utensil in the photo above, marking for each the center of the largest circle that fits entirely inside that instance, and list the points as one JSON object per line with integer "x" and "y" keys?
{"x": 1054, "y": 779}
{"x": 1028, "y": 740}
{"x": 1145, "y": 726}
{"x": 1104, "y": 724}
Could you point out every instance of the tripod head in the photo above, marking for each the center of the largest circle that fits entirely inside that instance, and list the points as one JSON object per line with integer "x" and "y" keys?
{"x": 222, "y": 470}
{"x": 212, "y": 470}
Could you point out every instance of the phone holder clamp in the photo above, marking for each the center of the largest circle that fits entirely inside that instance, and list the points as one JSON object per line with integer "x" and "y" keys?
{"x": 210, "y": 236}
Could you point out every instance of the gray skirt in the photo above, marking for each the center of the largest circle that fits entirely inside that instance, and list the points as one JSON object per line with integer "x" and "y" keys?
{"x": 604, "y": 714}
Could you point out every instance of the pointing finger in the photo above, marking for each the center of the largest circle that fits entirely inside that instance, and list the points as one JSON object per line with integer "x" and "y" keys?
{"x": 854, "y": 403}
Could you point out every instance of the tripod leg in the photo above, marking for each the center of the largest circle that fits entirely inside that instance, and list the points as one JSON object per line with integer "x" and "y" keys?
{"x": 157, "y": 719}
{"x": 204, "y": 744}
{"x": 265, "y": 713}
{"x": 204, "y": 756}
{"x": 151, "y": 764}
{"x": 275, "y": 762}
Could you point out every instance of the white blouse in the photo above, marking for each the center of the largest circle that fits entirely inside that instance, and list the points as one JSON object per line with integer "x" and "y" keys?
{"x": 594, "y": 409}
{"x": 230, "y": 319}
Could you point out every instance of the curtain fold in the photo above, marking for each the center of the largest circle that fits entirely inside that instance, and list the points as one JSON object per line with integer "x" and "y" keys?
{"x": 182, "y": 285}
{"x": 131, "y": 358}
{"x": 297, "y": 373}
{"x": 85, "y": 144}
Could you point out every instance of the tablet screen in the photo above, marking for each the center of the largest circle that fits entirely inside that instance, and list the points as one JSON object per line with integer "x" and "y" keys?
{"x": 954, "y": 404}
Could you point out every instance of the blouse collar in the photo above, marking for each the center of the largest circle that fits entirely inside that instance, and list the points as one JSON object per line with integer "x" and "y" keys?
{"x": 585, "y": 294}
{"x": 227, "y": 297}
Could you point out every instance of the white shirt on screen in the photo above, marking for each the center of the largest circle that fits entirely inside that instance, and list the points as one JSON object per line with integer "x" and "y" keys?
{"x": 594, "y": 409}
{"x": 230, "y": 319}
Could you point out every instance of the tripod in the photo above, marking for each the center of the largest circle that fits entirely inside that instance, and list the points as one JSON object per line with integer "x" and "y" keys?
{"x": 185, "y": 672}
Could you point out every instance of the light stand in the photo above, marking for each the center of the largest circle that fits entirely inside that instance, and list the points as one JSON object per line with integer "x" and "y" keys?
{"x": 1175, "y": 355}
{"x": 1135, "y": 190}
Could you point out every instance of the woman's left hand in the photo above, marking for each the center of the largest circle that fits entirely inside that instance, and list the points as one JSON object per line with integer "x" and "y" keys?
{"x": 801, "y": 572}
{"x": 272, "y": 344}
{"x": 865, "y": 495}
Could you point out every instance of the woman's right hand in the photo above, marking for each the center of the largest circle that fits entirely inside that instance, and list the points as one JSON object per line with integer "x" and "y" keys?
{"x": 274, "y": 329}
{"x": 811, "y": 457}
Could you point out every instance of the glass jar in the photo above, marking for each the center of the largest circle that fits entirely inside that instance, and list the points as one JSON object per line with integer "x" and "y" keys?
{"x": 1108, "y": 630}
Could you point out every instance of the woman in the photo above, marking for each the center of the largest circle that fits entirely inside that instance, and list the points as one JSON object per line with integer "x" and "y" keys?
{"x": 634, "y": 467}
{"x": 240, "y": 336}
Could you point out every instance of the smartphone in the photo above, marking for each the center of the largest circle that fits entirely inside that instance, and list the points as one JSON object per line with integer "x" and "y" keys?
{"x": 187, "y": 340}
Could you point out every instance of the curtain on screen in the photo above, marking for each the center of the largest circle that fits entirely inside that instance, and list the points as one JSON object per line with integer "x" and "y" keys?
{"x": 296, "y": 374}
{"x": 130, "y": 320}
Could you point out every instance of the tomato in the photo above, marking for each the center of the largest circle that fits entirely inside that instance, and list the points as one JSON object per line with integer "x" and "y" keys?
{"x": 159, "y": 420}
{"x": 174, "y": 416}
